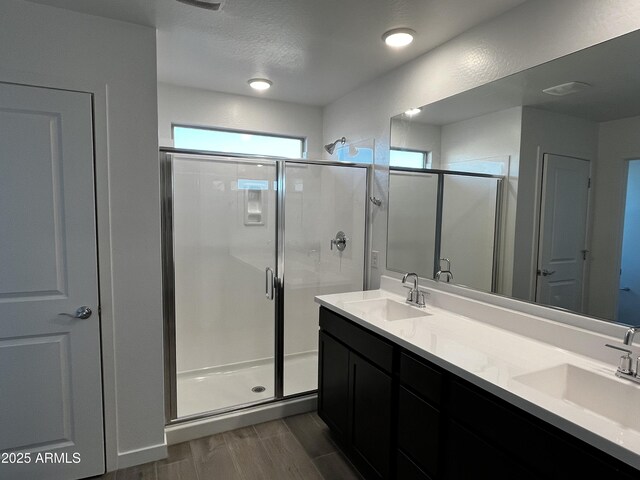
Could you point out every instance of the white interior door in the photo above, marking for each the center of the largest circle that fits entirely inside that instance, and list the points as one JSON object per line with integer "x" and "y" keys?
{"x": 563, "y": 232}
{"x": 50, "y": 375}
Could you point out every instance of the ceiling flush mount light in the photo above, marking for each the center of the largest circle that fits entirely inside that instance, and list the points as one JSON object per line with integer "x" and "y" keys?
{"x": 260, "y": 84}
{"x": 398, "y": 37}
{"x": 412, "y": 111}
{"x": 566, "y": 89}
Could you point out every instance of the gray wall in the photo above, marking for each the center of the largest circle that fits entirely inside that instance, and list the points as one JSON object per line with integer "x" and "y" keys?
{"x": 496, "y": 137}
{"x": 192, "y": 106}
{"x": 618, "y": 141}
{"x": 543, "y": 132}
{"x": 533, "y": 33}
{"x": 116, "y": 62}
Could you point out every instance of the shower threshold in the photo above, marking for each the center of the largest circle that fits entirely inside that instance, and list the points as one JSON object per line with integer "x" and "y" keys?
{"x": 240, "y": 384}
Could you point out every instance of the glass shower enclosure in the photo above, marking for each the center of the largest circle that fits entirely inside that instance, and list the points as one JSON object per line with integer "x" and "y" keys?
{"x": 248, "y": 243}
{"x": 432, "y": 217}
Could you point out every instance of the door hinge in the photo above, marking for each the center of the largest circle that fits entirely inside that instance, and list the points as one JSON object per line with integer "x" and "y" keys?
{"x": 99, "y": 310}
{"x": 589, "y": 183}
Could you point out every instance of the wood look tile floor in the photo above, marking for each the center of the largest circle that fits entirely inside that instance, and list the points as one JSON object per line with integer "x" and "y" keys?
{"x": 296, "y": 448}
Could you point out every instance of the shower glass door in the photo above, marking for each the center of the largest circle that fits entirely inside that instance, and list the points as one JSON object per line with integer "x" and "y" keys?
{"x": 471, "y": 209}
{"x": 223, "y": 238}
{"x": 319, "y": 201}
{"x": 247, "y": 245}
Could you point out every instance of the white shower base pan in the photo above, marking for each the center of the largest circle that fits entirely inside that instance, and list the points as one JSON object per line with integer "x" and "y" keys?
{"x": 224, "y": 387}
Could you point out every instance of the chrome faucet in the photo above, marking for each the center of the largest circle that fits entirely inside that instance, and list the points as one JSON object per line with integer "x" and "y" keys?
{"x": 628, "y": 336}
{"x": 625, "y": 368}
{"x": 446, "y": 271}
{"x": 415, "y": 296}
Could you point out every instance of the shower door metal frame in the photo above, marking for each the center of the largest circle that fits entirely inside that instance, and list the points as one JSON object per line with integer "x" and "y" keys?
{"x": 497, "y": 227}
{"x": 168, "y": 272}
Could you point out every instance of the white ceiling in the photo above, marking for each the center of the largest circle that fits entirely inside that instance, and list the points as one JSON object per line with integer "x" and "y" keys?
{"x": 314, "y": 51}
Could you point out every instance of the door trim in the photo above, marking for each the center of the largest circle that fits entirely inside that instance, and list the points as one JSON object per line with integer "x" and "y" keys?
{"x": 168, "y": 287}
{"x": 539, "y": 205}
{"x": 541, "y": 151}
{"x": 96, "y": 93}
{"x": 99, "y": 90}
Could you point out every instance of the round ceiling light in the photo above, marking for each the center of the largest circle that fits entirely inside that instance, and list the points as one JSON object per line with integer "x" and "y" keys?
{"x": 398, "y": 37}
{"x": 260, "y": 84}
{"x": 412, "y": 111}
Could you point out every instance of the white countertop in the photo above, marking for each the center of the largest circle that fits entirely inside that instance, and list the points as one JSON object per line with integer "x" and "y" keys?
{"x": 491, "y": 357}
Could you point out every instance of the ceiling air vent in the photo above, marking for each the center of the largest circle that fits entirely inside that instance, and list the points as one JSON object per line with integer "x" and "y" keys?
{"x": 214, "y": 5}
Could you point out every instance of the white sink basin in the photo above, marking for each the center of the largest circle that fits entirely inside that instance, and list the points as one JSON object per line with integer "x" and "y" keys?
{"x": 385, "y": 309}
{"x": 605, "y": 396}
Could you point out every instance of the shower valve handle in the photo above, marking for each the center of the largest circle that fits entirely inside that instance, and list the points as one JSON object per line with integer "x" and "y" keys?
{"x": 340, "y": 241}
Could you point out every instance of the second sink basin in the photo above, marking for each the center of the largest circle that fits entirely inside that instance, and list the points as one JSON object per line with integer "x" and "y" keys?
{"x": 608, "y": 397}
{"x": 385, "y": 309}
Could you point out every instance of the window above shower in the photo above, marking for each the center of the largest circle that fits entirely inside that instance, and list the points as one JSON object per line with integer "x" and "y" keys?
{"x": 405, "y": 158}
{"x": 238, "y": 142}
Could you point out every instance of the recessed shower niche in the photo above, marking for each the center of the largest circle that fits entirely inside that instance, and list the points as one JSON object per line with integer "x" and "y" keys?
{"x": 253, "y": 207}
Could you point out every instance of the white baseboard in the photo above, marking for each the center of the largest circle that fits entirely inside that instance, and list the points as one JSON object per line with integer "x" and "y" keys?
{"x": 186, "y": 431}
{"x": 142, "y": 455}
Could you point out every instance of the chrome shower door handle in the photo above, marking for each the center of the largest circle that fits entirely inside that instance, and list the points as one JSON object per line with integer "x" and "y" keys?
{"x": 82, "y": 313}
{"x": 448, "y": 269}
{"x": 268, "y": 283}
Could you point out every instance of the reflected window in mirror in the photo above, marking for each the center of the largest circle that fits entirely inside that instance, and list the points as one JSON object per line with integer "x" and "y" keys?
{"x": 567, "y": 163}
{"x": 406, "y": 158}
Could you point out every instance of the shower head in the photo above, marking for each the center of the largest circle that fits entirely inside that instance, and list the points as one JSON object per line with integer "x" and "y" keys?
{"x": 330, "y": 147}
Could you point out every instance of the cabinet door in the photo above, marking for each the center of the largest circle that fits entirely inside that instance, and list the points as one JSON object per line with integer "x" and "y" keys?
{"x": 419, "y": 431}
{"x": 370, "y": 436}
{"x": 470, "y": 457}
{"x": 407, "y": 470}
{"x": 333, "y": 385}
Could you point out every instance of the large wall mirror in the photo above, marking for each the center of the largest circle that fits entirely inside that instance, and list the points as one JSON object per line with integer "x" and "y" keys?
{"x": 529, "y": 186}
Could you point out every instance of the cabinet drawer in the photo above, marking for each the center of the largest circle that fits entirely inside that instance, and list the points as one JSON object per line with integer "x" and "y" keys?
{"x": 407, "y": 470}
{"x": 549, "y": 451}
{"x": 369, "y": 345}
{"x": 469, "y": 457}
{"x": 421, "y": 377}
{"x": 419, "y": 430}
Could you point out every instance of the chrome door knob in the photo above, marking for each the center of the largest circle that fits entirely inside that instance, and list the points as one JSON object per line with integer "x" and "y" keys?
{"x": 545, "y": 273}
{"x": 82, "y": 313}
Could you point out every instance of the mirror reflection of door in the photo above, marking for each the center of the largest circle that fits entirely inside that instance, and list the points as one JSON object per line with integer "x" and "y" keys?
{"x": 563, "y": 232}
{"x": 629, "y": 298}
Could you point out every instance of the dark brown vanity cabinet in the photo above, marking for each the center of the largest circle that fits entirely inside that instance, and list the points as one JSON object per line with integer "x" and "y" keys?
{"x": 398, "y": 416}
{"x": 333, "y": 381}
{"x": 355, "y": 392}
{"x": 420, "y": 426}
{"x": 488, "y": 434}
